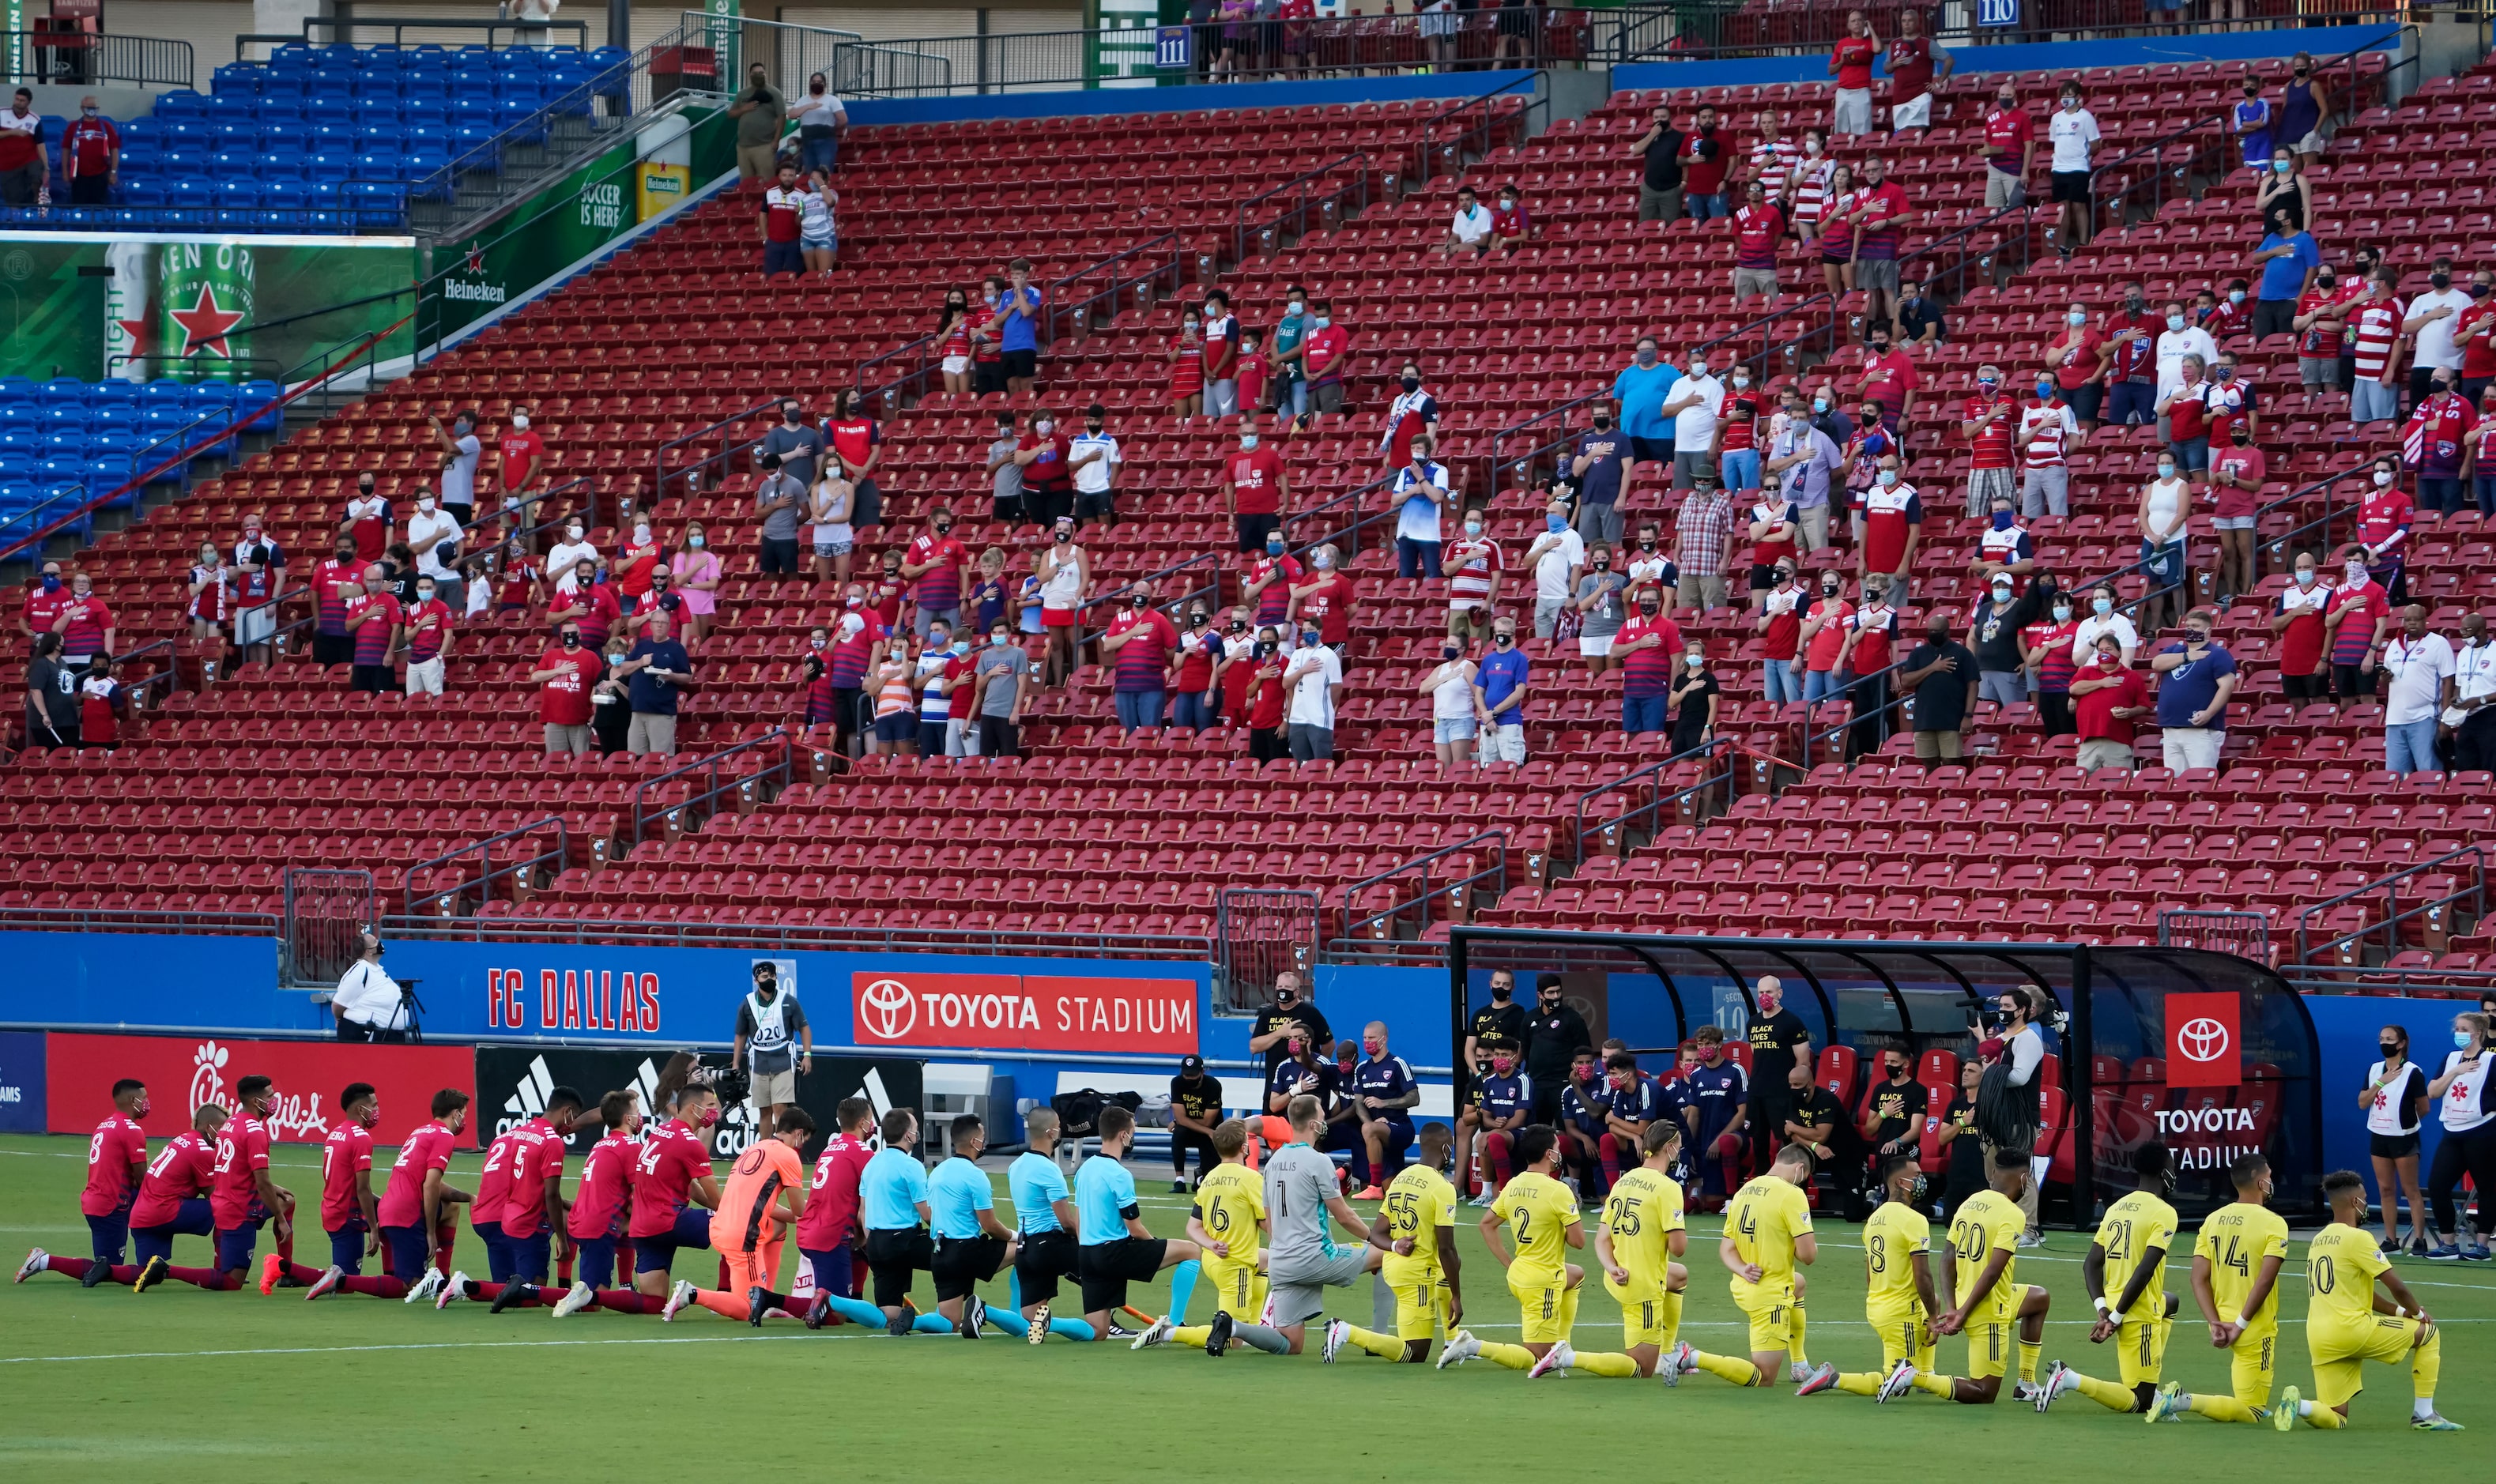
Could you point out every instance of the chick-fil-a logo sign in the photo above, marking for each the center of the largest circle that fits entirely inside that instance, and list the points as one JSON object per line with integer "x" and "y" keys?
{"x": 622, "y": 1001}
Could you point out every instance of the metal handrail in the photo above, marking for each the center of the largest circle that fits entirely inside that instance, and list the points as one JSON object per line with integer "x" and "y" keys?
{"x": 610, "y": 82}
{"x": 97, "y": 919}
{"x": 1348, "y": 536}
{"x": 343, "y": 29}
{"x": 103, "y": 57}
{"x": 488, "y": 872}
{"x": 2389, "y": 886}
{"x": 1422, "y": 863}
{"x": 1210, "y": 559}
{"x": 777, "y": 737}
{"x": 1053, "y": 301}
{"x": 1534, "y": 81}
{"x": 1705, "y": 749}
{"x": 166, "y": 674}
{"x": 1239, "y": 228}
{"x": 659, "y": 473}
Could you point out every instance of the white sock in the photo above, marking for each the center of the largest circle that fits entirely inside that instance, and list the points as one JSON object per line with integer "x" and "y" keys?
{"x": 2422, "y": 1407}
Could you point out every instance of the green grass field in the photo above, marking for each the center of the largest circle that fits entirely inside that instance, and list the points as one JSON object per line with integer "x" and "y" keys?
{"x": 205, "y": 1386}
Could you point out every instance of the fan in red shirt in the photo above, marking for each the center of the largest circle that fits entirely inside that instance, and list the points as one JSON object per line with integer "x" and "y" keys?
{"x": 373, "y": 620}
{"x": 530, "y": 1222}
{"x": 1911, "y": 73}
{"x": 46, "y": 597}
{"x": 1252, "y": 487}
{"x": 116, "y": 1162}
{"x": 523, "y": 454}
{"x": 173, "y": 1197}
{"x": 1326, "y": 600}
{"x": 564, "y": 676}
{"x": 2300, "y": 617}
{"x": 1757, "y": 227}
{"x": 85, "y": 624}
{"x": 673, "y": 1193}
{"x": 2474, "y": 329}
{"x": 596, "y": 1217}
{"x": 1850, "y": 62}
{"x": 349, "y": 1212}
{"x": 2237, "y": 471}
{"x": 416, "y": 1212}
{"x": 828, "y": 1236}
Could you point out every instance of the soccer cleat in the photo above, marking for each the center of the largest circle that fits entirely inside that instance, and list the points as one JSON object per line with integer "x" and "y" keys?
{"x": 1684, "y": 1358}
{"x": 1038, "y": 1324}
{"x": 1557, "y": 1358}
{"x": 2032, "y": 1239}
{"x": 2433, "y": 1422}
{"x": 2283, "y": 1416}
{"x": 1337, "y": 1332}
{"x": 1119, "y": 1331}
{"x": 1819, "y": 1380}
{"x": 899, "y": 1324}
{"x": 1154, "y": 1333}
{"x": 2025, "y": 1391}
{"x": 96, "y": 1272}
{"x": 268, "y": 1268}
{"x": 326, "y": 1282}
{"x": 1900, "y": 1380}
{"x": 681, "y": 1295}
{"x": 757, "y": 1300}
{"x": 150, "y": 1273}
{"x": 454, "y": 1289}
{"x": 1481, "y": 1202}
{"x": 975, "y": 1316}
{"x": 1217, "y": 1335}
{"x": 513, "y": 1294}
{"x": 1797, "y": 1373}
{"x": 1178, "y": 1187}
{"x": 1369, "y": 1193}
{"x": 34, "y": 1264}
{"x": 574, "y": 1302}
{"x": 2165, "y": 1403}
{"x": 425, "y": 1288}
{"x": 1461, "y": 1347}
{"x": 2059, "y": 1378}
{"x": 2445, "y": 1253}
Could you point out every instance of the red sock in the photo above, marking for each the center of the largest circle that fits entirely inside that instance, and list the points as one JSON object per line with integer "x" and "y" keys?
{"x": 626, "y": 1301}
{"x": 72, "y": 1268}
{"x": 445, "y": 1238}
{"x": 205, "y": 1278}
{"x": 1610, "y": 1150}
{"x": 1495, "y": 1150}
{"x": 286, "y": 1248}
{"x": 299, "y": 1273}
{"x": 383, "y": 1286}
{"x": 563, "y": 1272}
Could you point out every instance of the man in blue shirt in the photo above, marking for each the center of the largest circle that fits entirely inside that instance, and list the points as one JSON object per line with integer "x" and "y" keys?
{"x": 1045, "y": 1210}
{"x": 655, "y": 667}
{"x": 1638, "y": 396}
{"x": 1383, "y": 1093}
{"x": 1596, "y": 466}
{"x": 1503, "y": 1101}
{"x": 1499, "y": 689}
{"x": 893, "y": 1203}
{"x": 1584, "y": 1101}
{"x": 2288, "y": 258}
{"x": 1018, "y": 326}
{"x": 1116, "y": 1248}
{"x": 1719, "y": 1092}
{"x": 1633, "y": 1100}
{"x": 2195, "y": 679}
{"x": 972, "y": 1246}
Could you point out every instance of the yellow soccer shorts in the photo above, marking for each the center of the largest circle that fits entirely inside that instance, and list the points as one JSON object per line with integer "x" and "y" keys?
{"x": 1238, "y": 1289}
{"x": 2341, "y": 1351}
{"x": 1645, "y": 1317}
{"x": 1547, "y": 1304}
{"x": 2140, "y": 1348}
{"x": 1901, "y": 1328}
{"x": 1769, "y": 1306}
{"x": 1420, "y": 1310}
{"x": 2251, "y": 1362}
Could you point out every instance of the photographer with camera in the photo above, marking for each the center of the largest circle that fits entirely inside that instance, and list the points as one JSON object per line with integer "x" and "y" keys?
{"x": 767, "y": 1022}
{"x": 2008, "y": 1100}
{"x": 368, "y": 1004}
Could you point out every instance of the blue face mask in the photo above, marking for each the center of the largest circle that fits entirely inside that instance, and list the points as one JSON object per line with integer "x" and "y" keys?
{"x": 1888, "y": 476}
{"x": 2461, "y": 1040}
{"x": 2002, "y": 520}
{"x": 2044, "y": 390}
{"x": 51, "y": 583}
{"x": 1554, "y": 523}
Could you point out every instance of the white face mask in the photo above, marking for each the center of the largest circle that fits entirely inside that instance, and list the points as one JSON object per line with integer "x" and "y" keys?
{"x": 641, "y": 533}
{"x": 1042, "y": 427}
{"x": 2381, "y": 479}
{"x": 520, "y": 421}
{"x": 1298, "y": 306}
{"x": 426, "y": 506}
{"x": 2356, "y": 571}
{"x": 573, "y": 531}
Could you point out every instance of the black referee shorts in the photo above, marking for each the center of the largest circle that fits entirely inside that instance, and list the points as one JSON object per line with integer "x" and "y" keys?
{"x": 891, "y": 1256}
{"x": 1110, "y": 1266}
{"x": 1044, "y": 1257}
{"x": 961, "y": 1263}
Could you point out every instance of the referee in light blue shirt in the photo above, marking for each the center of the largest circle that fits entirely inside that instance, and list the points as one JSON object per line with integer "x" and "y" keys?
{"x": 1045, "y": 1209}
{"x": 1499, "y": 689}
{"x": 972, "y": 1246}
{"x": 1115, "y": 1247}
{"x": 892, "y": 1205}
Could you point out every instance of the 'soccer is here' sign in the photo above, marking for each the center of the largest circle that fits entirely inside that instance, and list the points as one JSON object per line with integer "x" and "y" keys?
{"x": 1024, "y": 1011}
{"x": 184, "y": 1073}
{"x": 2204, "y": 1041}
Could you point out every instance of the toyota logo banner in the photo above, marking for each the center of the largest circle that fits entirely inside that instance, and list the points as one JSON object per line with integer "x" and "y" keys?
{"x": 2204, "y": 1041}
{"x": 1024, "y": 1011}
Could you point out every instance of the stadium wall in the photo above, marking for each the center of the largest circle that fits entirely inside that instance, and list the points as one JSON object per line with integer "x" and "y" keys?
{"x": 1083, "y": 103}
{"x": 2325, "y": 42}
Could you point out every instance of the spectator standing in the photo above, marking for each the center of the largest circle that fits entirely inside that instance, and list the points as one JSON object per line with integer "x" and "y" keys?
{"x": 2251, "y": 119}
{"x": 1779, "y": 623}
{"x": 2288, "y": 262}
{"x": 368, "y": 521}
{"x": 798, "y": 446}
{"x": 1221, "y": 357}
{"x": 1805, "y": 461}
{"x": 2049, "y": 429}
{"x": 2002, "y": 616}
{"x": 821, "y": 123}
{"x": 2360, "y": 622}
{"x": 2198, "y": 677}
{"x": 2298, "y": 619}
{"x": 1738, "y": 431}
{"x": 1315, "y": 681}
{"x": 259, "y": 573}
{"x": 1871, "y": 635}
{"x": 52, "y": 703}
{"x": 91, "y": 156}
{"x": 2077, "y": 360}
{"x": 2102, "y": 618}
{"x": 1047, "y": 480}
{"x": 1703, "y": 534}
{"x": 1422, "y": 496}
{"x": 1064, "y": 574}
{"x": 1018, "y": 326}
{"x": 1647, "y": 651}
{"x": 2473, "y": 717}
{"x": 1638, "y": 396}
{"x": 2321, "y": 319}
{"x": 2106, "y": 694}
{"x": 1837, "y": 232}
{"x": 2009, "y": 148}
{"x": 1850, "y": 62}
{"x": 2375, "y": 339}
{"x": 1704, "y": 165}
{"x": 1266, "y": 585}
{"x": 1321, "y": 357}
{"x": 760, "y": 112}
{"x": 1264, "y": 701}
{"x": 2474, "y": 329}
{"x": 1915, "y": 65}
{"x": 25, "y": 173}
{"x": 519, "y": 461}
{"x": 2284, "y": 188}
{"x": 2073, "y": 134}
{"x": 2304, "y": 112}
{"x": 2045, "y": 650}
{"x": 564, "y": 676}
{"x": 335, "y": 581}
{"x": 1469, "y": 230}
{"x": 1600, "y": 607}
{"x": 1808, "y": 184}
{"x": 374, "y": 620}
{"x": 1254, "y": 486}
{"x": 1889, "y": 378}
{"x": 1652, "y": 567}
{"x": 657, "y": 667}
{"x": 1326, "y": 599}
{"x": 694, "y": 571}
{"x": 987, "y": 335}
{"x": 829, "y": 509}
{"x": 2435, "y": 439}
{"x": 2433, "y": 318}
{"x": 1881, "y": 214}
{"x": 1413, "y": 415}
{"x": 779, "y": 503}
{"x": 434, "y": 535}
{"x": 1991, "y": 421}
{"x": 1757, "y": 228}
{"x": 2184, "y": 409}
{"x": 1823, "y": 635}
{"x": 1195, "y": 675}
{"x": 1500, "y": 684}
{"x": 2131, "y": 345}
{"x": 211, "y": 595}
{"x": 1556, "y": 558}
{"x": 2163, "y": 516}
{"x": 2177, "y": 341}
{"x": 933, "y": 566}
{"x": 857, "y": 441}
{"x": 1695, "y": 699}
{"x": 1890, "y": 529}
{"x": 1692, "y": 406}
{"x": 1600, "y": 457}
{"x": 428, "y": 624}
{"x": 1660, "y": 180}
{"x": 1094, "y": 457}
{"x": 1455, "y": 712}
{"x": 1942, "y": 674}
{"x": 1774, "y": 527}
{"x": 1001, "y": 686}
{"x": 567, "y": 552}
{"x": 1139, "y": 640}
{"x": 783, "y": 213}
{"x": 461, "y": 451}
{"x": 104, "y": 704}
{"x": 1289, "y": 383}
{"x": 2422, "y": 667}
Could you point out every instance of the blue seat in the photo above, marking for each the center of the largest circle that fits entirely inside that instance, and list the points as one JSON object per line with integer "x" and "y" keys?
{"x": 466, "y": 142}
{"x": 62, "y": 391}
{"x": 14, "y": 470}
{"x": 221, "y": 107}
{"x": 164, "y": 391}
{"x": 147, "y": 194}
{"x": 58, "y": 418}
{"x": 103, "y": 476}
{"x": 190, "y": 196}
{"x": 113, "y": 418}
{"x": 142, "y": 159}
{"x": 379, "y": 167}
{"x": 328, "y": 165}
{"x": 259, "y": 395}
{"x": 113, "y": 393}
{"x": 379, "y": 205}
{"x": 425, "y": 113}
{"x": 181, "y": 104}
{"x": 238, "y": 77}
{"x": 287, "y": 196}
{"x": 188, "y": 132}
{"x": 61, "y": 469}
{"x": 234, "y": 161}
{"x": 339, "y": 138}
{"x": 339, "y": 54}
{"x": 18, "y": 405}
{"x": 330, "y": 110}
{"x": 188, "y": 159}
{"x": 378, "y": 139}
{"x": 284, "y": 87}
{"x": 281, "y": 120}
{"x": 236, "y": 134}
{"x": 21, "y": 443}
{"x": 239, "y": 202}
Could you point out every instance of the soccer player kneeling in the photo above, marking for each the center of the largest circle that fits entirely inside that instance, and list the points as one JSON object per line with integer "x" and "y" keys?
{"x": 1898, "y": 1291}
{"x": 1540, "y": 1215}
{"x": 1115, "y": 1248}
{"x": 2128, "y": 1256}
{"x": 1642, "y": 1232}
{"x": 2235, "y": 1282}
{"x": 1044, "y": 1250}
{"x": 1995, "y": 1311}
{"x": 764, "y": 1196}
{"x": 1417, "y": 1225}
{"x": 2347, "y": 1324}
{"x": 1226, "y": 1223}
{"x": 596, "y": 1216}
{"x": 1768, "y": 1235}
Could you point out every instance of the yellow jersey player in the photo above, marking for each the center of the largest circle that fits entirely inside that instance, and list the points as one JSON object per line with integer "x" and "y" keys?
{"x": 2127, "y": 1261}
{"x": 1898, "y": 1294}
{"x": 1541, "y": 1217}
{"x": 1226, "y": 1223}
{"x": 2236, "y": 1279}
{"x": 1767, "y": 1233}
{"x": 1993, "y": 1309}
{"x": 2348, "y": 1324}
{"x": 1642, "y": 1232}
{"x": 1417, "y": 1225}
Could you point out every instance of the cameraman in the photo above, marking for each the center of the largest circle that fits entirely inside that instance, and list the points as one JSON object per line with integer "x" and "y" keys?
{"x": 2009, "y": 1100}
{"x": 767, "y": 1021}
{"x": 368, "y": 1004}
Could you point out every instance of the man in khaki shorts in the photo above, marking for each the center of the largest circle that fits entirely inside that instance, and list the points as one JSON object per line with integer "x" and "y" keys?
{"x": 2010, "y": 146}
{"x": 770, "y": 1027}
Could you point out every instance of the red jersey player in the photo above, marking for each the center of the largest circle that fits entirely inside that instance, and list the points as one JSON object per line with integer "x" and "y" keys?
{"x": 173, "y": 1197}
{"x": 349, "y": 1214}
{"x": 414, "y": 1209}
{"x": 596, "y": 1217}
{"x": 827, "y": 1232}
{"x": 241, "y": 1196}
{"x": 116, "y": 1160}
{"x": 530, "y": 1218}
{"x": 672, "y": 1177}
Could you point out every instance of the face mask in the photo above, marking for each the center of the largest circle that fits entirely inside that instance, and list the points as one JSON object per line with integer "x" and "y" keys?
{"x": 1508, "y": 203}
{"x": 1321, "y": 321}
{"x": 641, "y": 533}
{"x": 710, "y": 1116}
{"x": 2006, "y": 105}
{"x": 1308, "y": 638}
{"x": 572, "y": 641}
{"x": 2076, "y": 316}
{"x": 1411, "y": 384}
{"x": 2044, "y": 391}
{"x": 425, "y": 506}
{"x": 2325, "y": 281}
{"x": 2109, "y": 662}
{"x": 2175, "y": 322}
{"x": 1646, "y": 355}
{"x": 1450, "y": 651}
{"x": 520, "y": 421}
{"x": 1650, "y": 609}
{"x": 1272, "y": 548}
{"x": 2355, "y": 571}
{"x": 1740, "y": 380}
{"x": 1042, "y": 427}
{"x": 1298, "y": 306}
{"x": 693, "y": 541}
{"x": 2062, "y": 613}
{"x": 1555, "y": 523}
{"x": 1247, "y": 439}
{"x": 1829, "y": 589}
{"x": 1697, "y": 368}
{"x": 1324, "y": 561}
{"x": 425, "y": 595}
{"x": 2002, "y": 520}
{"x": 1889, "y": 477}
{"x": 2306, "y": 576}
{"x": 2166, "y": 471}
{"x": 2461, "y": 1040}
{"x": 2071, "y": 102}
{"x": 2440, "y": 280}
{"x": 1502, "y": 640}
{"x": 573, "y": 531}
{"x": 2132, "y": 302}
{"x": 1092, "y": 426}
{"x": 2001, "y": 590}
{"x": 2381, "y": 479}
{"x": 2101, "y": 606}
{"x": 1819, "y": 404}
{"x": 1696, "y": 657}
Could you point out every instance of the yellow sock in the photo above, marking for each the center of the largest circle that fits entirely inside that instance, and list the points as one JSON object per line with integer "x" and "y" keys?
{"x": 2113, "y": 1396}
{"x": 1514, "y": 1357}
{"x": 2222, "y": 1409}
{"x": 2028, "y": 1354}
{"x": 1732, "y": 1368}
{"x": 1191, "y": 1334}
{"x": 1939, "y": 1386}
{"x": 2426, "y": 1363}
{"x": 1793, "y": 1339}
{"x": 1610, "y": 1363}
{"x": 1862, "y": 1383}
{"x": 1384, "y": 1347}
{"x": 2324, "y": 1418}
{"x": 1568, "y": 1311}
{"x": 1671, "y": 1319}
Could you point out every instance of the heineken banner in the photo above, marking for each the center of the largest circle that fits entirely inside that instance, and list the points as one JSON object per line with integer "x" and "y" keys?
{"x": 83, "y": 305}
{"x": 570, "y": 220}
